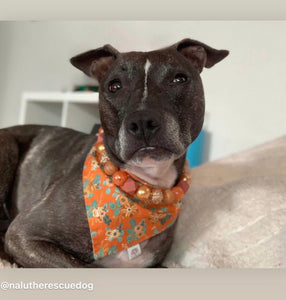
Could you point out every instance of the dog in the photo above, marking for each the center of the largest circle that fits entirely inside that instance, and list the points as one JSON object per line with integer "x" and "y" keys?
{"x": 151, "y": 108}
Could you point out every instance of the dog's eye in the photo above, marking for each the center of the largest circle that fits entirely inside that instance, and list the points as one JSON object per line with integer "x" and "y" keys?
{"x": 180, "y": 78}
{"x": 114, "y": 86}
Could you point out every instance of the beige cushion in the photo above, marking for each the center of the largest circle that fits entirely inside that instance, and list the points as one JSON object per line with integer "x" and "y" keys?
{"x": 234, "y": 215}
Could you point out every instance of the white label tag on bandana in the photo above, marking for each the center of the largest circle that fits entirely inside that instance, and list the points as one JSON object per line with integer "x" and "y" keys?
{"x": 134, "y": 251}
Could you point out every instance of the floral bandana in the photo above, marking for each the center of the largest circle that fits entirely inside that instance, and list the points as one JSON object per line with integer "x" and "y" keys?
{"x": 116, "y": 220}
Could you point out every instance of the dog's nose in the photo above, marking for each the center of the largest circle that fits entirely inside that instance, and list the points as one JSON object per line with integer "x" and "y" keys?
{"x": 143, "y": 124}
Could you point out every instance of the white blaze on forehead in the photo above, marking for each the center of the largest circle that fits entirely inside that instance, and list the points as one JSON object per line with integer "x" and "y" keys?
{"x": 146, "y": 68}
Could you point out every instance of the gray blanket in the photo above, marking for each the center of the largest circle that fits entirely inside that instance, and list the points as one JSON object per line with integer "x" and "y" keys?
{"x": 234, "y": 215}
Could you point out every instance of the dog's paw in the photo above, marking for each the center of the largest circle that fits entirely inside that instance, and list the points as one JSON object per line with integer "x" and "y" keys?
{"x": 4, "y": 264}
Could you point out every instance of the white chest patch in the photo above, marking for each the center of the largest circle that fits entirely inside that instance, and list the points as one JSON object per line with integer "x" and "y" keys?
{"x": 146, "y": 68}
{"x": 162, "y": 173}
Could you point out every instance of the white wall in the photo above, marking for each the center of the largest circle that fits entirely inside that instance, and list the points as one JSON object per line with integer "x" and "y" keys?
{"x": 245, "y": 93}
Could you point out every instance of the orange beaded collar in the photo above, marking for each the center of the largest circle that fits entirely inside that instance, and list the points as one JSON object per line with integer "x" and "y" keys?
{"x": 122, "y": 209}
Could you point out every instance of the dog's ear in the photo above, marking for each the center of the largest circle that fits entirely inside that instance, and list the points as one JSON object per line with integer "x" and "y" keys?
{"x": 95, "y": 63}
{"x": 199, "y": 54}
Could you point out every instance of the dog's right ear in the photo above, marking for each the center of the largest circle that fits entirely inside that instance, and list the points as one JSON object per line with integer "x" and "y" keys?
{"x": 95, "y": 63}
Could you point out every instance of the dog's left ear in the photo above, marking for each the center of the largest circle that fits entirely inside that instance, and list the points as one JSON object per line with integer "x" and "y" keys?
{"x": 95, "y": 63}
{"x": 200, "y": 55}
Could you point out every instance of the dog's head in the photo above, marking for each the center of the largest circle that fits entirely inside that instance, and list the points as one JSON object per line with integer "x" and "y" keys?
{"x": 151, "y": 103}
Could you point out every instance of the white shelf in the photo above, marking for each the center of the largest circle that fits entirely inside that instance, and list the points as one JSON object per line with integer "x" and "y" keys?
{"x": 76, "y": 110}
{"x": 88, "y": 97}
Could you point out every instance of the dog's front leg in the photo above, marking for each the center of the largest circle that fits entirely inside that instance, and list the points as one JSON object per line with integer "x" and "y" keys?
{"x": 30, "y": 247}
{"x": 40, "y": 254}
{"x": 30, "y": 252}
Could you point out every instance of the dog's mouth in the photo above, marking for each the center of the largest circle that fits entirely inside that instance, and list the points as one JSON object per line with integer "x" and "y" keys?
{"x": 154, "y": 165}
{"x": 155, "y": 153}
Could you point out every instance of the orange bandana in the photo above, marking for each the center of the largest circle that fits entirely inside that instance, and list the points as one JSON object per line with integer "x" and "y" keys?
{"x": 118, "y": 221}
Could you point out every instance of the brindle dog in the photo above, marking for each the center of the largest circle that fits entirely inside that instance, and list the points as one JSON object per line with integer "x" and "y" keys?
{"x": 151, "y": 107}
